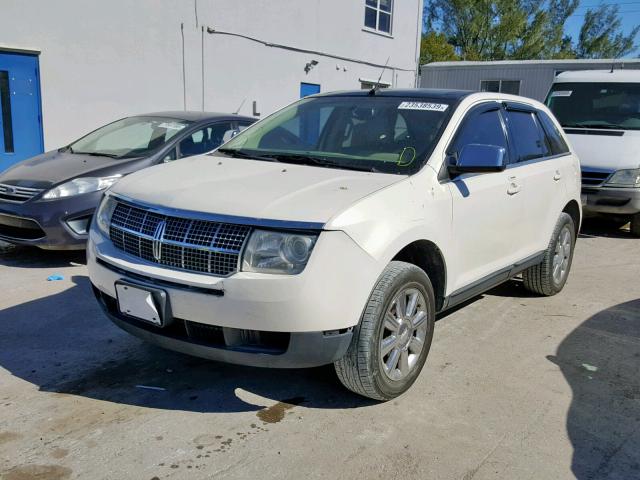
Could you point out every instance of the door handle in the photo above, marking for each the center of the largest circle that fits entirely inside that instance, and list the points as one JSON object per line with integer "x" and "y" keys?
{"x": 514, "y": 186}
{"x": 557, "y": 176}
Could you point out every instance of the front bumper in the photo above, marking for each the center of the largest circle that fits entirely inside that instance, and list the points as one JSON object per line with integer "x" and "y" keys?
{"x": 312, "y": 312}
{"x": 45, "y": 224}
{"x": 611, "y": 200}
{"x": 285, "y": 350}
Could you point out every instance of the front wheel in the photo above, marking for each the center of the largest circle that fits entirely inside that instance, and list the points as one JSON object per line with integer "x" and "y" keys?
{"x": 549, "y": 276}
{"x": 391, "y": 343}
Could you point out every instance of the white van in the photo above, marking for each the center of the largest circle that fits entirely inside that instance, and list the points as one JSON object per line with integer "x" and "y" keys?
{"x": 600, "y": 112}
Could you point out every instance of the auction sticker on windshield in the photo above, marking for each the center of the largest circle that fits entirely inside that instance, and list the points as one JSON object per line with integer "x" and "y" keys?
{"x": 431, "y": 107}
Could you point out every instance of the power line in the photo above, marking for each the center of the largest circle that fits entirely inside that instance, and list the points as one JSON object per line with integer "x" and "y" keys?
{"x": 606, "y": 3}
{"x": 621, "y": 13}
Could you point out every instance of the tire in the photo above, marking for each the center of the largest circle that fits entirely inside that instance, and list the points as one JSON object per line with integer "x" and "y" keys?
{"x": 362, "y": 370}
{"x": 634, "y": 227}
{"x": 540, "y": 278}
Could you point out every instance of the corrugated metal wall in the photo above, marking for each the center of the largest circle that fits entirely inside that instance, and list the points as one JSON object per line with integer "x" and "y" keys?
{"x": 535, "y": 79}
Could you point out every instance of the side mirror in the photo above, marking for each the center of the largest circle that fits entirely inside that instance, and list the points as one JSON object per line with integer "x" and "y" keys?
{"x": 478, "y": 158}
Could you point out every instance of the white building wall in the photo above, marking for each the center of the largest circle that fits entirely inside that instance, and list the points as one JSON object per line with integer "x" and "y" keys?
{"x": 100, "y": 61}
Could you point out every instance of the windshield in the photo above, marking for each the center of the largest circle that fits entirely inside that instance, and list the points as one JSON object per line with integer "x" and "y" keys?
{"x": 129, "y": 137}
{"x": 596, "y": 105}
{"x": 373, "y": 133}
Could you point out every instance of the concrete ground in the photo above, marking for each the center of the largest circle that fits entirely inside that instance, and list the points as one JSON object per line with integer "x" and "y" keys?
{"x": 515, "y": 387}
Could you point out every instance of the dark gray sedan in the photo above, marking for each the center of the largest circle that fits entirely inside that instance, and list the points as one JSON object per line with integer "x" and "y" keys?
{"x": 48, "y": 200}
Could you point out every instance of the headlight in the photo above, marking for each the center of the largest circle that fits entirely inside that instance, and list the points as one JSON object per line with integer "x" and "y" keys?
{"x": 103, "y": 215}
{"x": 625, "y": 178}
{"x": 79, "y": 186}
{"x": 277, "y": 252}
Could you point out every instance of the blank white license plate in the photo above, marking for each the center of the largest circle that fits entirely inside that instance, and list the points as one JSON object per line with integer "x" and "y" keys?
{"x": 138, "y": 303}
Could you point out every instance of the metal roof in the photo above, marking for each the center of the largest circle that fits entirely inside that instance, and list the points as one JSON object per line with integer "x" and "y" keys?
{"x": 464, "y": 63}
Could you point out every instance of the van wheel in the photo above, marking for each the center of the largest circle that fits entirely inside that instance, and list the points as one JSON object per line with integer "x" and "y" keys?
{"x": 549, "y": 276}
{"x": 391, "y": 343}
{"x": 635, "y": 225}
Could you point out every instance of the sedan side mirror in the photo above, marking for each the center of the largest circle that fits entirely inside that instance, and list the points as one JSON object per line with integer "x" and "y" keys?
{"x": 479, "y": 158}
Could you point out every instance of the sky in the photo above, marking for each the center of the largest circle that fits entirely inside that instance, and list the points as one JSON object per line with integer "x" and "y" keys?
{"x": 629, "y": 12}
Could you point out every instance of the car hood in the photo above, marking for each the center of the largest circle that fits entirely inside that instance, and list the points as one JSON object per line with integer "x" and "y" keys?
{"x": 52, "y": 168}
{"x": 608, "y": 152}
{"x": 251, "y": 188}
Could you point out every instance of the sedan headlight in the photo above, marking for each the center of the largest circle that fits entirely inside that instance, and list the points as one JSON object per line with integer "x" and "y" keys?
{"x": 625, "y": 178}
{"x": 81, "y": 185}
{"x": 277, "y": 252}
{"x": 103, "y": 215}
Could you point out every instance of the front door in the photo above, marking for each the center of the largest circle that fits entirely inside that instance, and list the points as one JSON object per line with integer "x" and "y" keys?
{"x": 487, "y": 207}
{"x": 20, "y": 119}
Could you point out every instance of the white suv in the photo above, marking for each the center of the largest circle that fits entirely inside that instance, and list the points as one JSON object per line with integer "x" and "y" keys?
{"x": 334, "y": 230}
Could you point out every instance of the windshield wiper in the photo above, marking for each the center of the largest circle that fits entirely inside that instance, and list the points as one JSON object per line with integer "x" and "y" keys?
{"x": 301, "y": 159}
{"x": 99, "y": 154}
{"x": 592, "y": 125}
{"x": 232, "y": 152}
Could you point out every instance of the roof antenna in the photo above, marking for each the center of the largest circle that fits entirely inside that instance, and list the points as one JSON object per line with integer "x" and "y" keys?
{"x": 241, "y": 104}
{"x": 376, "y": 87}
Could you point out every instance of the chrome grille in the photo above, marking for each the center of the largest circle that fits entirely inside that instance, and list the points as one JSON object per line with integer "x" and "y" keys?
{"x": 186, "y": 244}
{"x": 594, "y": 178}
{"x": 13, "y": 193}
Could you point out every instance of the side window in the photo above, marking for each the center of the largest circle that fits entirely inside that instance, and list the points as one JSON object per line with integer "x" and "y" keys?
{"x": 170, "y": 156}
{"x": 484, "y": 128}
{"x": 554, "y": 137}
{"x": 378, "y": 15}
{"x": 220, "y": 133}
{"x": 204, "y": 140}
{"x": 527, "y": 135}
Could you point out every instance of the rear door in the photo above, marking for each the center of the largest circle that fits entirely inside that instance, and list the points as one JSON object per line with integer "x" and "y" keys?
{"x": 539, "y": 171}
{"x": 487, "y": 207}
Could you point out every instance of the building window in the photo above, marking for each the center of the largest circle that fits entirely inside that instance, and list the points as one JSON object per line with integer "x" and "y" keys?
{"x": 378, "y": 15}
{"x": 502, "y": 86}
{"x": 369, "y": 84}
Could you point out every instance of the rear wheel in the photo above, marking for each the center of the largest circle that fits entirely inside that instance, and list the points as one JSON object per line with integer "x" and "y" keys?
{"x": 635, "y": 225}
{"x": 391, "y": 343}
{"x": 549, "y": 276}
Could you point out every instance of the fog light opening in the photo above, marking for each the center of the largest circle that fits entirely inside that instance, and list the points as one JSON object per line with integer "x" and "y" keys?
{"x": 80, "y": 226}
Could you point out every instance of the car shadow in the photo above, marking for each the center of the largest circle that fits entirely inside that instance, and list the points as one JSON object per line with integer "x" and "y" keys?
{"x": 603, "y": 227}
{"x": 599, "y": 360}
{"x": 33, "y": 257}
{"x": 63, "y": 343}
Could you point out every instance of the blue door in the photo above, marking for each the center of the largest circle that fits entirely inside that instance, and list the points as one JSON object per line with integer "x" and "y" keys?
{"x": 307, "y": 89}
{"x": 20, "y": 119}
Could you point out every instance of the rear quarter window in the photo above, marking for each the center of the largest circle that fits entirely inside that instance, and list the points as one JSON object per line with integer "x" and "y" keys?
{"x": 554, "y": 137}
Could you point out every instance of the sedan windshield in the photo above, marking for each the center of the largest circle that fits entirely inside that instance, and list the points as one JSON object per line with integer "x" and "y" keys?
{"x": 596, "y": 105}
{"x": 129, "y": 137}
{"x": 372, "y": 133}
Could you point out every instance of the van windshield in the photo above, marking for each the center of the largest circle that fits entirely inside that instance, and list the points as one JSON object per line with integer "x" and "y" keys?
{"x": 596, "y": 105}
{"x": 370, "y": 133}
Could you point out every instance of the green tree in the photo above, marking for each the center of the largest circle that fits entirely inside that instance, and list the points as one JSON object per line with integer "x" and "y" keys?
{"x": 601, "y": 34}
{"x": 502, "y": 29}
{"x": 435, "y": 48}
